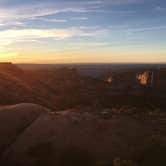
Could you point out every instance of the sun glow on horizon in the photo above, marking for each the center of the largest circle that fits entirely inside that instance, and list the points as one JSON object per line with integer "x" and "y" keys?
{"x": 51, "y": 58}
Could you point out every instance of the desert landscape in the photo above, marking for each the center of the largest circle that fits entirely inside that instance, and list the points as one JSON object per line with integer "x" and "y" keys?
{"x": 62, "y": 116}
{"x": 82, "y": 82}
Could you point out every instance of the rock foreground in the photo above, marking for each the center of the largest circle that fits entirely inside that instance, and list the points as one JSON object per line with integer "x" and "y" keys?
{"x": 31, "y": 135}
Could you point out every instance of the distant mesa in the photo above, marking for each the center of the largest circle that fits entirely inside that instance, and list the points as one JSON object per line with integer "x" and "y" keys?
{"x": 9, "y": 68}
{"x": 5, "y": 64}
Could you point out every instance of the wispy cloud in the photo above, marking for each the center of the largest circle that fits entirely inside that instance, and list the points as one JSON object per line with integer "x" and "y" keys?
{"x": 12, "y": 23}
{"x": 160, "y": 9}
{"x": 33, "y": 10}
{"x": 19, "y": 35}
{"x": 79, "y": 18}
{"x": 59, "y": 20}
{"x": 49, "y": 20}
{"x": 18, "y": 14}
{"x": 122, "y": 2}
{"x": 16, "y": 35}
{"x": 113, "y": 2}
{"x": 152, "y": 28}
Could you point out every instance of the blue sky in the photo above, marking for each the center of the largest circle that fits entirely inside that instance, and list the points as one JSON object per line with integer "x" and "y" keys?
{"x": 67, "y": 31}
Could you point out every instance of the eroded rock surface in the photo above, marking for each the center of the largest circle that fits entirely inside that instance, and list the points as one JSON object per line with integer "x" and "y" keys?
{"x": 74, "y": 137}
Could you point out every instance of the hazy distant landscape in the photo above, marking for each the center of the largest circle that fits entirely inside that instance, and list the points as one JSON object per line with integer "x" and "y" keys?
{"x": 82, "y": 115}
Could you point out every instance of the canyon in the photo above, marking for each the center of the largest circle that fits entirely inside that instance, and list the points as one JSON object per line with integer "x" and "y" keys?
{"x": 61, "y": 116}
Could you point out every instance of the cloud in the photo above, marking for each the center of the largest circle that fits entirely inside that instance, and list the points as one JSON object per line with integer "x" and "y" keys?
{"x": 30, "y": 34}
{"x": 33, "y": 10}
{"x": 159, "y": 8}
{"x": 153, "y": 28}
{"x": 12, "y": 23}
{"x": 49, "y": 20}
{"x": 114, "y": 2}
{"x": 59, "y": 20}
{"x": 79, "y": 18}
{"x": 18, "y": 35}
{"x": 41, "y": 9}
{"x": 91, "y": 44}
{"x": 19, "y": 14}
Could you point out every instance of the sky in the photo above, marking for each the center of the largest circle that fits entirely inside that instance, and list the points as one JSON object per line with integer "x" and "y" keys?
{"x": 83, "y": 31}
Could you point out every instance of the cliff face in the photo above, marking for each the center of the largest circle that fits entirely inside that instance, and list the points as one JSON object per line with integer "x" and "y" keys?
{"x": 10, "y": 68}
{"x": 146, "y": 78}
{"x": 132, "y": 78}
{"x": 64, "y": 88}
{"x": 53, "y": 88}
{"x": 12, "y": 88}
{"x": 153, "y": 78}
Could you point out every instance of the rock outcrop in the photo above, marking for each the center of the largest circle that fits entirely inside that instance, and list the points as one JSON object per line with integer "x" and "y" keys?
{"x": 34, "y": 136}
{"x": 14, "y": 120}
{"x": 148, "y": 78}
